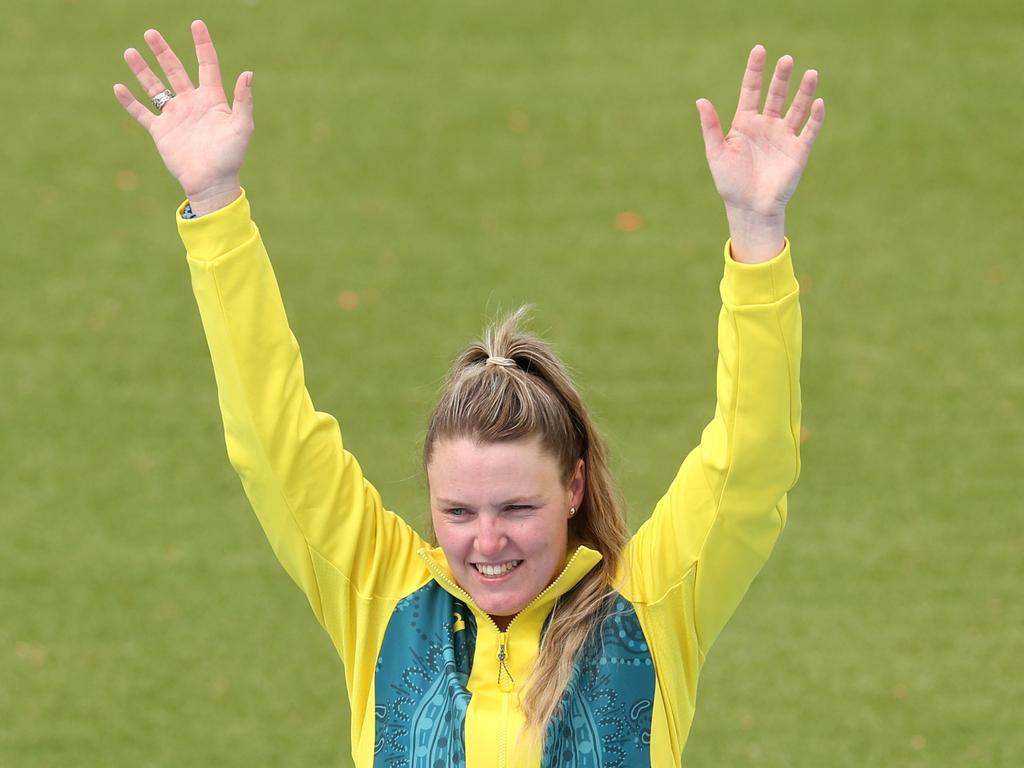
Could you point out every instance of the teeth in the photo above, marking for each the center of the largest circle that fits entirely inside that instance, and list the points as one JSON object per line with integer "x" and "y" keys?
{"x": 497, "y": 570}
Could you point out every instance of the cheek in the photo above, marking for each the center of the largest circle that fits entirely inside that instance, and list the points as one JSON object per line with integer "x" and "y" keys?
{"x": 545, "y": 537}
{"x": 447, "y": 535}
{"x": 448, "y": 538}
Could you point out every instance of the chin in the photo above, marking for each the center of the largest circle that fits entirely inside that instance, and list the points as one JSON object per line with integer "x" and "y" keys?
{"x": 499, "y": 606}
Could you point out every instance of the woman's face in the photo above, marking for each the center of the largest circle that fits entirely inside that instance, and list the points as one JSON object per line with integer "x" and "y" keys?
{"x": 501, "y": 513}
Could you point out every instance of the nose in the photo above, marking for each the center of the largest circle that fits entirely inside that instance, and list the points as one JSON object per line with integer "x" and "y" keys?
{"x": 490, "y": 539}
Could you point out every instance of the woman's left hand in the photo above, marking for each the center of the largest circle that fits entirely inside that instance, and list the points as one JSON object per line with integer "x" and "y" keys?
{"x": 757, "y": 165}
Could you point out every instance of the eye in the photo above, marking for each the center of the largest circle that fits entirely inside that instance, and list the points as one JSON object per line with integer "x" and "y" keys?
{"x": 519, "y": 506}
{"x": 455, "y": 512}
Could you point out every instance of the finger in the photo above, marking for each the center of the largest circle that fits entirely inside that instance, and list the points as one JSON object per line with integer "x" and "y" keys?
{"x": 169, "y": 62}
{"x": 209, "y": 67}
{"x": 150, "y": 83}
{"x": 241, "y": 107}
{"x": 750, "y": 87}
{"x": 802, "y": 101}
{"x": 810, "y": 131}
{"x": 144, "y": 117}
{"x": 779, "y": 87}
{"x": 711, "y": 127}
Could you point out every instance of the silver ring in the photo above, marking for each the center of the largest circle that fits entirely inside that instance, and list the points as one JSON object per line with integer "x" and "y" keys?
{"x": 161, "y": 99}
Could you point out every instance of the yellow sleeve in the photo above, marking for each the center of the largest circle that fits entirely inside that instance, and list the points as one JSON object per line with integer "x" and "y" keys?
{"x": 712, "y": 531}
{"x": 323, "y": 519}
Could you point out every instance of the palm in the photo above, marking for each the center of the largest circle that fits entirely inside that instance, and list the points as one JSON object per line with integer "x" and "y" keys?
{"x": 757, "y": 165}
{"x": 201, "y": 139}
{"x": 198, "y": 138}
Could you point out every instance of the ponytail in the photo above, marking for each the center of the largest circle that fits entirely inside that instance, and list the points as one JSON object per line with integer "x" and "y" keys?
{"x": 511, "y": 386}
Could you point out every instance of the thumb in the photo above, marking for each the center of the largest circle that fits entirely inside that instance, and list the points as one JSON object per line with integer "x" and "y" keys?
{"x": 241, "y": 107}
{"x": 711, "y": 127}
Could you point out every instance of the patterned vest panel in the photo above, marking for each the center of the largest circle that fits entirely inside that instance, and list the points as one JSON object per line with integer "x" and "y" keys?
{"x": 423, "y": 670}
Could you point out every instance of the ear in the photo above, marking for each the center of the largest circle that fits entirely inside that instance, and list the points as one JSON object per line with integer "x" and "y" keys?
{"x": 578, "y": 484}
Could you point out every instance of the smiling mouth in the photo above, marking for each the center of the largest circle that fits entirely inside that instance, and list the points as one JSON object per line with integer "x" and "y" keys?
{"x": 496, "y": 570}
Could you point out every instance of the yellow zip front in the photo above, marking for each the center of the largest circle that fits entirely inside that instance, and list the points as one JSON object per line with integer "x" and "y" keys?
{"x": 442, "y": 578}
{"x": 493, "y": 688}
{"x": 503, "y": 739}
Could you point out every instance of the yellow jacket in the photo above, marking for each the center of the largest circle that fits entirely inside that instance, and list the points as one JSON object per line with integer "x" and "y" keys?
{"x": 431, "y": 680}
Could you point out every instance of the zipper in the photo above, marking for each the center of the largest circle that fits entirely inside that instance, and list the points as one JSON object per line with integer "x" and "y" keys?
{"x": 459, "y": 590}
{"x": 568, "y": 565}
{"x": 502, "y": 655}
{"x": 502, "y": 642}
{"x": 503, "y": 738}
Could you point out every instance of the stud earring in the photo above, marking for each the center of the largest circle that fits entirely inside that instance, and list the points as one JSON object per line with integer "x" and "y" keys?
{"x": 572, "y": 511}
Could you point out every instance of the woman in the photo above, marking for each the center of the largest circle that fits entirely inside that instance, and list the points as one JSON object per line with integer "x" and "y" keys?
{"x": 537, "y": 632}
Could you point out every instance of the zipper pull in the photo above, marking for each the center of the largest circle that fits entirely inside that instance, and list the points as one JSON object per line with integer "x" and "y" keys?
{"x": 502, "y": 655}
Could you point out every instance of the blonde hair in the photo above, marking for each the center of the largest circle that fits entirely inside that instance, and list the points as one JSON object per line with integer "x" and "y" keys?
{"x": 509, "y": 386}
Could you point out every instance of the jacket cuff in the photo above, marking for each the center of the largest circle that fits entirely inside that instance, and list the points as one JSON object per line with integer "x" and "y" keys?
{"x": 213, "y": 234}
{"x": 763, "y": 283}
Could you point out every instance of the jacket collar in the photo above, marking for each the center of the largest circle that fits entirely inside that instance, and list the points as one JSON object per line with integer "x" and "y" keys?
{"x": 578, "y": 563}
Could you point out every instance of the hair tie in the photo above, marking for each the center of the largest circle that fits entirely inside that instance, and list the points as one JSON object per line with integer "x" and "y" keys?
{"x": 505, "y": 361}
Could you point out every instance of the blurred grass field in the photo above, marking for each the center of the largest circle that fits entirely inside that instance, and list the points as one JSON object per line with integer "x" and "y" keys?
{"x": 418, "y": 168}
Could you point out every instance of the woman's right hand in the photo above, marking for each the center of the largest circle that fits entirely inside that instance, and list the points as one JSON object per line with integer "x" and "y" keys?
{"x": 201, "y": 140}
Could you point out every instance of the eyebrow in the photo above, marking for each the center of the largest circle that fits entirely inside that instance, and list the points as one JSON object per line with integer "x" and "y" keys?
{"x": 505, "y": 503}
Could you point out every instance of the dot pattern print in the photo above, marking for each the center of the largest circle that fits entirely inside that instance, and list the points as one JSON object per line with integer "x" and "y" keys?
{"x": 420, "y": 681}
{"x": 423, "y": 670}
{"x": 605, "y": 719}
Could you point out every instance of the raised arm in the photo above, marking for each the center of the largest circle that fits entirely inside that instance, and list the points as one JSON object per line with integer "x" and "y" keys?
{"x": 323, "y": 519}
{"x": 712, "y": 531}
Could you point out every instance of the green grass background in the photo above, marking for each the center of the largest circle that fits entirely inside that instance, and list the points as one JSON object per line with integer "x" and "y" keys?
{"x": 445, "y": 161}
